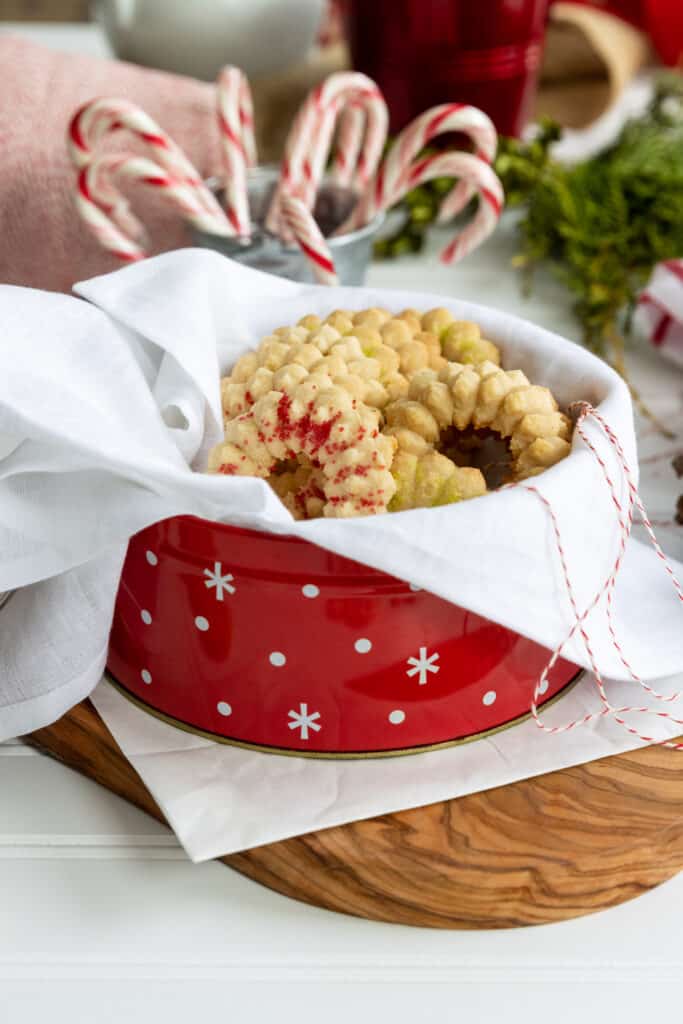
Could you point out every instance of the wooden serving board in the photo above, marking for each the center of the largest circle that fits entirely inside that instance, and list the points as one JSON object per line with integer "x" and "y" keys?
{"x": 545, "y": 849}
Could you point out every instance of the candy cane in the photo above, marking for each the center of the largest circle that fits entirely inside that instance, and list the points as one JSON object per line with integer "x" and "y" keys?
{"x": 97, "y": 216}
{"x": 231, "y": 88}
{"x": 98, "y": 177}
{"x": 366, "y": 98}
{"x": 363, "y": 127}
{"x": 450, "y": 117}
{"x": 247, "y": 122}
{"x": 389, "y": 182}
{"x": 483, "y": 180}
{"x": 349, "y": 142}
{"x": 308, "y": 143}
{"x": 473, "y": 172}
{"x": 309, "y": 238}
{"x": 96, "y": 119}
{"x": 102, "y": 191}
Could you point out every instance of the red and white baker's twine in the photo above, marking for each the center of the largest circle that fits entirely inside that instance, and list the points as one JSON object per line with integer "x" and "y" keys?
{"x": 309, "y": 238}
{"x": 625, "y": 519}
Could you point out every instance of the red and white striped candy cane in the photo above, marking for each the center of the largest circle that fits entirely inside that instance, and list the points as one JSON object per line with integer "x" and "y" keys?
{"x": 475, "y": 174}
{"x": 355, "y": 141}
{"x": 388, "y": 184}
{"x": 231, "y": 87}
{"x": 96, "y": 119}
{"x": 309, "y": 238}
{"x": 348, "y": 147}
{"x": 99, "y": 178}
{"x": 100, "y": 219}
{"x": 102, "y": 190}
{"x": 308, "y": 143}
{"x": 482, "y": 180}
{"x": 449, "y": 117}
{"x": 341, "y": 91}
{"x": 247, "y": 122}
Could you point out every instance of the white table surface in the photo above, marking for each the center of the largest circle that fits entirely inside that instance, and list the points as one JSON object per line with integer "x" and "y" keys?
{"x": 103, "y": 919}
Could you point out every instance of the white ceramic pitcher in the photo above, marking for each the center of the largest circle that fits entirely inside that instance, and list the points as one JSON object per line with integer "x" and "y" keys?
{"x": 197, "y": 37}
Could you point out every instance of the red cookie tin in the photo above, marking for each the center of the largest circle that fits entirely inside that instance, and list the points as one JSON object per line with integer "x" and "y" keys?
{"x": 273, "y": 643}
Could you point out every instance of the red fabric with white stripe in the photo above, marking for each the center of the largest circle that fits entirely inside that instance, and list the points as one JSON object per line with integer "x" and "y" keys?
{"x": 660, "y": 310}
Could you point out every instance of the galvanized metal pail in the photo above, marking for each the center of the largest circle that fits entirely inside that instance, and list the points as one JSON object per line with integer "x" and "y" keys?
{"x": 351, "y": 252}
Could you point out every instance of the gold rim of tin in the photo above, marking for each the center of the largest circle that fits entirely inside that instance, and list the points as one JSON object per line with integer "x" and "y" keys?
{"x": 327, "y": 755}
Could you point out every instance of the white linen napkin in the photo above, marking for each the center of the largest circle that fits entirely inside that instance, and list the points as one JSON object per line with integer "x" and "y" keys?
{"x": 106, "y": 404}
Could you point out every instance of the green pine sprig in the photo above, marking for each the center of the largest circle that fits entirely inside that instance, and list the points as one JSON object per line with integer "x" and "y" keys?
{"x": 602, "y": 225}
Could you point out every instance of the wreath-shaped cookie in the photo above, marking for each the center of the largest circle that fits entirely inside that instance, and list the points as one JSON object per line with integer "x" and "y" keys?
{"x": 482, "y": 398}
{"x": 324, "y": 423}
{"x": 367, "y": 411}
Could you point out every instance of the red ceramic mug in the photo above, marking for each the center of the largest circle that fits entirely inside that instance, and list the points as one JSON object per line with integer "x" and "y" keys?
{"x": 270, "y": 642}
{"x": 425, "y": 52}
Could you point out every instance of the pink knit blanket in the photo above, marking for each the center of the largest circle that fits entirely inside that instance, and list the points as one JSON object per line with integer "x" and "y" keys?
{"x": 42, "y": 240}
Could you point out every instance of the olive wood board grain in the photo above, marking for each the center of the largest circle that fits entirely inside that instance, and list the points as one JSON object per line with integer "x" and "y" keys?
{"x": 545, "y": 849}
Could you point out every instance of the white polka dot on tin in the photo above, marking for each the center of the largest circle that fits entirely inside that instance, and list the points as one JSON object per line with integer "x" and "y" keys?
{"x": 414, "y": 587}
{"x": 277, "y": 659}
{"x": 310, "y": 590}
{"x": 151, "y": 557}
{"x": 201, "y": 623}
{"x": 543, "y": 686}
{"x": 146, "y": 676}
{"x": 223, "y": 708}
{"x": 489, "y": 698}
{"x": 397, "y": 717}
{"x": 146, "y": 616}
{"x": 363, "y": 645}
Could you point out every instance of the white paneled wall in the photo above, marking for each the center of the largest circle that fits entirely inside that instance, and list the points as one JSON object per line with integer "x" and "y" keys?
{"x": 102, "y": 919}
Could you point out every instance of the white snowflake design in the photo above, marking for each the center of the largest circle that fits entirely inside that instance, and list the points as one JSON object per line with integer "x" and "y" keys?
{"x": 302, "y": 720}
{"x": 222, "y": 582}
{"x": 422, "y": 665}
